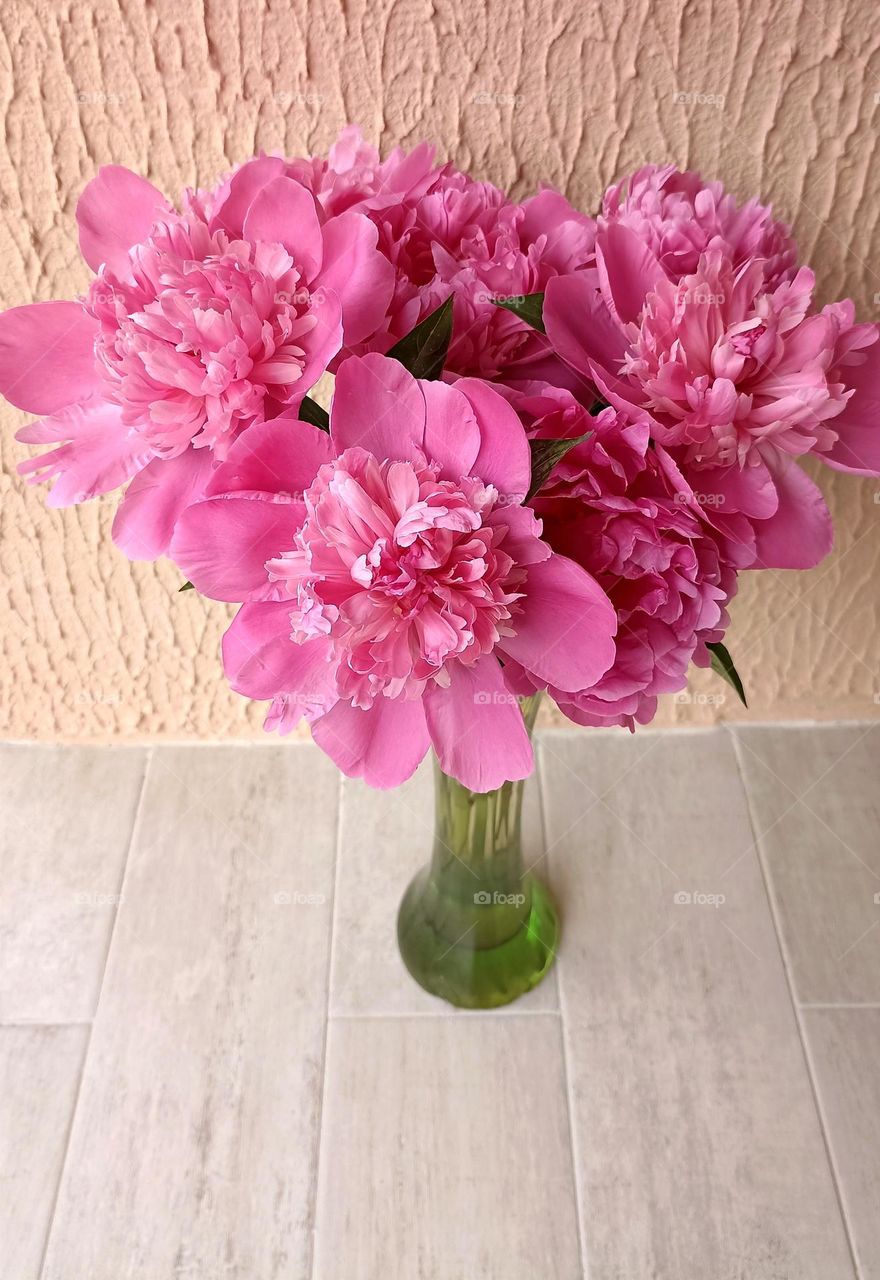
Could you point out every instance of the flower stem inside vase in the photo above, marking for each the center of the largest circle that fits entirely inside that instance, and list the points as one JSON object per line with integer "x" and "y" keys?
{"x": 475, "y": 926}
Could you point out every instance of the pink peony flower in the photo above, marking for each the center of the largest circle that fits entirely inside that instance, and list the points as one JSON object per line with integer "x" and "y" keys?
{"x": 622, "y": 511}
{"x": 198, "y": 325}
{"x": 734, "y": 382}
{"x": 679, "y": 217}
{"x": 446, "y": 234}
{"x": 390, "y": 574}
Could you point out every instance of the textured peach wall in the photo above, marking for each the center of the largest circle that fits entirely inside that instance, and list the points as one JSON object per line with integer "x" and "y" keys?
{"x": 773, "y": 97}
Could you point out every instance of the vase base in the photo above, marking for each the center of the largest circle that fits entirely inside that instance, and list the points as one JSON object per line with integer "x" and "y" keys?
{"x": 469, "y": 976}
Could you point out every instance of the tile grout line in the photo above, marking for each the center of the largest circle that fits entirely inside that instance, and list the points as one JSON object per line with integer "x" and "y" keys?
{"x": 838, "y": 1004}
{"x": 62, "y": 1174}
{"x": 580, "y": 1226}
{"x": 331, "y": 949}
{"x": 824, "y": 1127}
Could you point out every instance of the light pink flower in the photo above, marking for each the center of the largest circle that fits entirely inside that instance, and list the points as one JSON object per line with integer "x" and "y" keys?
{"x": 199, "y": 324}
{"x": 734, "y": 382}
{"x": 388, "y": 573}
{"x": 679, "y": 216}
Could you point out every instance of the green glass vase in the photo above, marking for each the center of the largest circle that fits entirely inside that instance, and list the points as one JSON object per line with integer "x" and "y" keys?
{"x": 475, "y": 926}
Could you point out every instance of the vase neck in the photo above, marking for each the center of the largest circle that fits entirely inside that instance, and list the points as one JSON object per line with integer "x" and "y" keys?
{"x": 478, "y": 834}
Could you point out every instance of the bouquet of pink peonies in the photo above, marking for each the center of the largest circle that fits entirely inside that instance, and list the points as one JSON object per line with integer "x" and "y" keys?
{"x": 553, "y": 444}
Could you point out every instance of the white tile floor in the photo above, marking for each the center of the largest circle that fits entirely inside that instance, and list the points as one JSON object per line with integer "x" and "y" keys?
{"x": 213, "y": 1066}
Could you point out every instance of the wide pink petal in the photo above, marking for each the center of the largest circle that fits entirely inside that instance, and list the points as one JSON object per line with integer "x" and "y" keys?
{"x": 565, "y": 629}
{"x": 154, "y": 501}
{"x": 284, "y": 212}
{"x": 96, "y": 452}
{"x": 47, "y": 356}
{"x": 452, "y": 437}
{"x": 241, "y": 191}
{"x": 504, "y": 458}
{"x": 384, "y": 745}
{"x": 280, "y": 456}
{"x": 749, "y": 489}
{"x": 628, "y": 270}
{"x": 580, "y": 325}
{"x": 477, "y": 728}
{"x": 261, "y": 661}
{"x": 377, "y": 406}
{"x": 858, "y": 447}
{"x": 321, "y": 343}
{"x": 801, "y": 533}
{"x": 354, "y": 268}
{"x": 222, "y": 544}
{"x": 116, "y": 210}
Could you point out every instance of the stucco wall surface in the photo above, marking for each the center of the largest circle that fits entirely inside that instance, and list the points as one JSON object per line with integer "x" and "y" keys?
{"x": 776, "y": 98}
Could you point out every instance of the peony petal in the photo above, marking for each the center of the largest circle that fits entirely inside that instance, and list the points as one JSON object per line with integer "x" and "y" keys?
{"x": 116, "y": 210}
{"x": 452, "y": 437}
{"x": 564, "y": 632}
{"x": 749, "y": 489}
{"x": 379, "y": 407}
{"x": 155, "y": 500}
{"x": 261, "y": 661}
{"x": 384, "y": 745}
{"x": 47, "y": 356}
{"x": 241, "y": 191}
{"x": 98, "y": 453}
{"x": 858, "y": 447}
{"x": 281, "y": 456}
{"x": 477, "y": 728}
{"x": 628, "y": 271}
{"x": 320, "y": 344}
{"x": 222, "y": 544}
{"x": 579, "y": 324}
{"x": 284, "y": 212}
{"x": 505, "y": 458}
{"x": 361, "y": 276}
{"x": 801, "y": 533}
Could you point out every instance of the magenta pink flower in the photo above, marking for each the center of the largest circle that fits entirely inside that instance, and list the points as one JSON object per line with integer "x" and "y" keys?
{"x": 667, "y": 572}
{"x": 199, "y": 324}
{"x": 390, "y": 575}
{"x": 446, "y": 234}
{"x": 679, "y": 217}
{"x": 734, "y": 382}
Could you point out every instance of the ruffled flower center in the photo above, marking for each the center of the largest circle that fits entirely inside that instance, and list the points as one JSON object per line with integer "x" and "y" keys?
{"x": 725, "y": 367}
{"x": 403, "y": 571}
{"x": 204, "y": 337}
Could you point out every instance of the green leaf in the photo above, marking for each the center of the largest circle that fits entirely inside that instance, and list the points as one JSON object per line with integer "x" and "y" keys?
{"x": 545, "y": 455}
{"x": 310, "y": 411}
{"x": 529, "y": 308}
{"x": 722, "y": 665}
{"x": 187, "y": 586}
{"x": 423, "y": 352}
